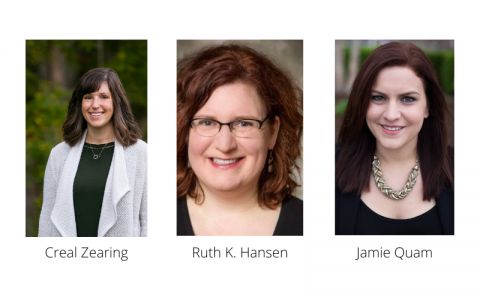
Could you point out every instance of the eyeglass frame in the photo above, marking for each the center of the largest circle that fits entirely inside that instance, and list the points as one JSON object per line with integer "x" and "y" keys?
{"x": 229, "y": 124}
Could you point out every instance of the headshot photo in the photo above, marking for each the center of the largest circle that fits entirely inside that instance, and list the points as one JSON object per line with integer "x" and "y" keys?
{"x": 86, "y": 132}
{"x": 239, "y": 138}
{"x": 394, "y": 158}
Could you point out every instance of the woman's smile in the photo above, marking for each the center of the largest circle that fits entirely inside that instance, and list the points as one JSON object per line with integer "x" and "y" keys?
{"x": 226, "y": 163}
{"x": 397, "y": 108}
{"x": 96, "y": 115}
{"x": 97, "y": 107}
{"x": 392, "y": 129}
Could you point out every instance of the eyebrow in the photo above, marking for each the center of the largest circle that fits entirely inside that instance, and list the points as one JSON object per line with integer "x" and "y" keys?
{"x": 100, "y": 93}
{"x": 403, "y": 94}
{"x": 234, "y": 119}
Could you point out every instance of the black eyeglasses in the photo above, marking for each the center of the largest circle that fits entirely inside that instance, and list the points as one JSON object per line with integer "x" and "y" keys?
{"x": 242, "y": 128}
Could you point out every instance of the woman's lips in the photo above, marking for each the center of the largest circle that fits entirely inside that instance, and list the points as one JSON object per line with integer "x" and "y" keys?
{"x": 392, "y": 129}
{"x": 96, "y": 115}
{"x": 227, "y": 163}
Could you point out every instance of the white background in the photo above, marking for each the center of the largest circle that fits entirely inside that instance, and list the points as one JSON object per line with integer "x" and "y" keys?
{"x": 320, "y": 265}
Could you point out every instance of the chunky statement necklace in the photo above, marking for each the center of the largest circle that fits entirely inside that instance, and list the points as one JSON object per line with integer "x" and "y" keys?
{"x": 385, "y": 189}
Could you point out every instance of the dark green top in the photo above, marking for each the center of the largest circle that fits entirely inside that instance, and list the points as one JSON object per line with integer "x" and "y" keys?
{"x": 89, "y": 187}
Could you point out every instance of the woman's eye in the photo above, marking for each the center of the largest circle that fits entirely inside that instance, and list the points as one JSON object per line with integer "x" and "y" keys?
{"x": 87, "y": 97}
{"x": 205, "y": 123}
{"x": 243, "y": 123}
{"x": 408, "y": 99}
{"x": 378, "y": 98}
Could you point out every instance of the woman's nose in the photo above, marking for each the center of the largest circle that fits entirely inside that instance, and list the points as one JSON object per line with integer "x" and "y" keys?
{"x": 392, "y": 111}
{"x": 225, "y": 141}
{"x": 96, "y": 102}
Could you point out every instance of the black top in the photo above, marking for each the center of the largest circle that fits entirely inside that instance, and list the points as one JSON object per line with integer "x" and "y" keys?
{"x": 290, "y": 221}
{"x": 369, "y": 222}
{"x": 347, "y": 210}
{"x": 89, "y": 187}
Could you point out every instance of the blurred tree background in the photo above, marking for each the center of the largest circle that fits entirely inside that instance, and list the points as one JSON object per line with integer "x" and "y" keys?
{"x": 52, "y": 70}
{"x": 349, "y": 56}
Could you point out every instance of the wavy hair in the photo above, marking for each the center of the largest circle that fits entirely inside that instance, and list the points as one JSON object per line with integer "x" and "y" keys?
{"x": 357, "y": 144}
{"x": 200, "y": 74}
{"x": 127, "y": 131}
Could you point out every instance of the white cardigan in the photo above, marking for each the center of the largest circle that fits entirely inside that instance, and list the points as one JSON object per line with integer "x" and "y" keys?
{"x": 124, "y": 207}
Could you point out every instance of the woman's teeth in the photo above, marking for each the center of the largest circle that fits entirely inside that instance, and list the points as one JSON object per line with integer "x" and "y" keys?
{"x": 392, "y": 128}
{"x": 225, "y": 161}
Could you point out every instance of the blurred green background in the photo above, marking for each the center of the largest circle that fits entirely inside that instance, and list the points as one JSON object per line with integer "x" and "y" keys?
{"x": 52, "y": 70}
{"x": 350, "y": 54}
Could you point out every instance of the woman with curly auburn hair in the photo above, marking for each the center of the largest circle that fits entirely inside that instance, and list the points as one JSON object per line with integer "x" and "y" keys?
{"x": 394, "y": 167}
{"x": 237, "y": 179}
{"x": 96, "y": 180}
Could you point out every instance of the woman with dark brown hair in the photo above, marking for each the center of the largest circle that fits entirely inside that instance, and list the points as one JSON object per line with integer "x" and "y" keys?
{"x": 394, "y": 168}
{"x": 96, "y": 180}
{"x": 237, "y": 179}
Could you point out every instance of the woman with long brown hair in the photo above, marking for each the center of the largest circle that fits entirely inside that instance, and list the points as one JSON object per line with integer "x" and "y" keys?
{"x": 239, "y": 126}
{"x": 96, "y": 180}
{"x": 394, "y": 168}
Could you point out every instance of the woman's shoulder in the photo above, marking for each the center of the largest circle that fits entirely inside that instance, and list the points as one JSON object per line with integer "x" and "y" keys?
{"x": 139, "y": 148}
{"x": 141, "y": 143}
{"x": 293, "y": 201}
{"x": 58, "y": 156}
{"x": 136, "y": 155}
{"x": 290, "y": 221}
{"x": 184, "y": 225}
{"x": 292, "y": 206}
{"x": 181, "y": 199}
{"x": 60, "y": 150}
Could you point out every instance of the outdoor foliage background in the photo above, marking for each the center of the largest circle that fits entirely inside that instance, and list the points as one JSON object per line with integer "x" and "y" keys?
{"x": 52, "y": 70}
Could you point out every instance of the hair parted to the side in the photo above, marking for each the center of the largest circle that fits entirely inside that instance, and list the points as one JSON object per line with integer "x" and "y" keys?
{"x": 356, "y": 144}
{"x": 127, "y": 131}
{"x": 200, "y": 74}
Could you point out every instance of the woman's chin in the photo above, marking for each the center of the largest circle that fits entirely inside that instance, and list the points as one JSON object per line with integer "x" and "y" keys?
{"x": 391, "y": 145}
{"x": 96, "y": 125}
{"x": 226, "y": 188}
{"x": 223, "y": 186}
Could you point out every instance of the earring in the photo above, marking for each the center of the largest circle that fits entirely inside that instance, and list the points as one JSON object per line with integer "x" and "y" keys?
{"x": 270, "y": 161}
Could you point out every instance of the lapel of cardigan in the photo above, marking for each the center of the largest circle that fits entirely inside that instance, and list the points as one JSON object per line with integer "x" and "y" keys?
{"x": 348, "y": 213}
{"x": 445, "y": 207}
{"x": 116, "y": 187}
{"x": 63, "y": 213}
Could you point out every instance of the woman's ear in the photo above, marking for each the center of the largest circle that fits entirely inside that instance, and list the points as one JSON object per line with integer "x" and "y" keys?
{"x": 274, "y": 134}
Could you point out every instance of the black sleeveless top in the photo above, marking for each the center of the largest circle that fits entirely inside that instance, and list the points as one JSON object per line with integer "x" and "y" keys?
{"x": 89, "y": 187}
{"x": 290, "y": 220}
{"x": 371, "y": 223}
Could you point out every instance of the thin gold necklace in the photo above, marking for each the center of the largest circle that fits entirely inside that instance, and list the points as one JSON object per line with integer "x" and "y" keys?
{"x": 385, "y": 189}
{"x": 96, "y": 156}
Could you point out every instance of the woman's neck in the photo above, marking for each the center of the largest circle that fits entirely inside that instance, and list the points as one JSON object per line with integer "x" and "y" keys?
{"x": 218, "y": 202}
{"x": 400, "y": 156}
{"x": 102, "y": 135}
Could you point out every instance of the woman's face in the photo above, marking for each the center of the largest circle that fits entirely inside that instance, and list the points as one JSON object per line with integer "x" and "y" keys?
{"x": 97, "y": 107}
{"x": 397, "y": 108}
{"x": 224, "y": 162}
